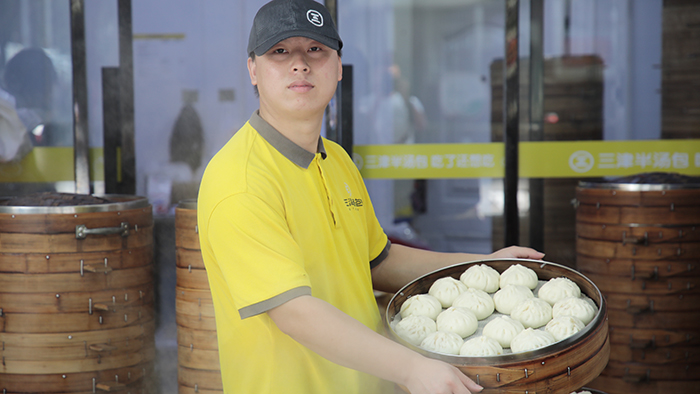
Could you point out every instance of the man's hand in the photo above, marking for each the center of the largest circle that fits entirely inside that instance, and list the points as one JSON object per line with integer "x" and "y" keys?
{"x": 430, "y": 376}
{"x": 516, "y": 252}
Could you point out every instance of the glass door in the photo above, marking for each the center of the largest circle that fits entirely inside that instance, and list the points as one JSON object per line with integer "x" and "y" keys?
{"x": 422, "y": 76}
{"x": 429, "y": 105}
{"x": 61, "y": 82}
{"x": 35, "y": 94}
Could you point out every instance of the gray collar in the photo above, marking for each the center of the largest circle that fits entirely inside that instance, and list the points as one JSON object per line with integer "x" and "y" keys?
{"x": 284, "y": 145}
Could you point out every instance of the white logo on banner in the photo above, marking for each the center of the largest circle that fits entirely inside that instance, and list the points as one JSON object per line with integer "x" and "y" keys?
{"x": 581, "y": 161}
{"x": 359, "y": 161}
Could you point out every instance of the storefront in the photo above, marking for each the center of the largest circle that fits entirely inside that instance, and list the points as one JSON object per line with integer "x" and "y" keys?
{"x": 468, "y": 137}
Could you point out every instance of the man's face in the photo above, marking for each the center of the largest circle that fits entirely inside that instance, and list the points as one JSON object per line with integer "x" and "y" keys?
{"x": 296, "y": 77}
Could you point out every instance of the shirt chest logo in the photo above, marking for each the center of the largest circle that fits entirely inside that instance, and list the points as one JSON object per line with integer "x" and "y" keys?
{"x": 351, "y": 203}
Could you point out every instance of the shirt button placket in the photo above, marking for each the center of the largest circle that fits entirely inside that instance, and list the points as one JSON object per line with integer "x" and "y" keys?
{"x": 331, "y": 203}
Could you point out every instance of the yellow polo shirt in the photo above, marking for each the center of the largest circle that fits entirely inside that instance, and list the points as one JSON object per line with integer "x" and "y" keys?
{"x": 276, "y": 222}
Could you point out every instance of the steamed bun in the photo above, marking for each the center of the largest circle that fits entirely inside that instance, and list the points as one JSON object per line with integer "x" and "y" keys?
{"x": 509, "y": 296}
{"x": 481, "y": 277}
{"x": 461, "y": 321}
{"x": 563, "y": 327}
{"x": 532, "y": 312}
{"x": 421, "y": 304}
{"x": 446, "y": 290}
{"x": 530, "y": 339}
{"x": 557, "y": 289}
{"x": 481, "y": 346}
{"x": 575, "y": 306}
{"x": 415, "y": 328}
{"x": 442, "y": 342}
{"x": 503, "y": 329}
{"x": 518, "y": 274}
{"x": 478, "y": 301}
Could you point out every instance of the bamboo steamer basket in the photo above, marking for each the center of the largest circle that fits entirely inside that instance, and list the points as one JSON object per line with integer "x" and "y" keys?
{"x": 76, "y": 294}
{"x": 562, "y": 367}
{"x": 638, "y": 239}
{"x": 680, "y": 60}
{"x": 198, "y": 351}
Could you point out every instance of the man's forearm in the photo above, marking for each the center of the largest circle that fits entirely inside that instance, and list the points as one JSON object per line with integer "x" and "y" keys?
{"x": 343, "y": 340}
{"x": 404, "y": 264}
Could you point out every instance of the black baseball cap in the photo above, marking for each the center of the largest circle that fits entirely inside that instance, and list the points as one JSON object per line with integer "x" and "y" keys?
{"x": 282, "y": 19}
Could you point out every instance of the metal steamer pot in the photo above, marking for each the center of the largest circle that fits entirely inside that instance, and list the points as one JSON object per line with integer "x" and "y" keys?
{"x": 562, "y": 367}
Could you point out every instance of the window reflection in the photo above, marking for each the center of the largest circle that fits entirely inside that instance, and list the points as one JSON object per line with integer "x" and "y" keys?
{"x": 35, "y": 90}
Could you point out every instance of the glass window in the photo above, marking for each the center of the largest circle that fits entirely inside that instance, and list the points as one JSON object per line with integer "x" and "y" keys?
{"x": 432, "y": 72}
{"x": 35, "y": 88}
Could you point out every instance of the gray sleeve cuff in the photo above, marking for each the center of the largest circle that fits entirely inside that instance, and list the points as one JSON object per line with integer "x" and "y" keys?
{"x": 264, "y": 306}
{"x": 377, "y": 260}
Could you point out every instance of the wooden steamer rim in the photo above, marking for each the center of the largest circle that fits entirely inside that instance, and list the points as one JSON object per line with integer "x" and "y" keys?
{"x": 638, "y": 214}
{"x": 188, "y": 204}
{"x": 565, "y": 365}
{"x": 117, "y": 202}
{"x": 642, "y": 190}
{"x": 128, "y": 216}
{"x": 638, "y": 187}
{"x": 622, "y": 185}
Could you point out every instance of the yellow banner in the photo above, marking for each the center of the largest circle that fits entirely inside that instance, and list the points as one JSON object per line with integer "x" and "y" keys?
{"x": 558, "y": 159}
{"x": 50, "y": 164}
{"x": 608, "y": 158}
{"x": 425, "y": 161}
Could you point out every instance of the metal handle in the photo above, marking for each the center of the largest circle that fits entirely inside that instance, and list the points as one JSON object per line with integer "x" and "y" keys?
{"x": 639, "y": 309}
{"x": 81, "y": 231}
{"x": 109, "y": 386}
{"x": 97, "y": 270}
{"x": 102, "y": 347}
{"x": 102, "y": 307}
{"x": 636, "y": 378}
{"x": 636, "y": 310}
{"x": 641, "y": 344}
{"x": 635, "y": 240}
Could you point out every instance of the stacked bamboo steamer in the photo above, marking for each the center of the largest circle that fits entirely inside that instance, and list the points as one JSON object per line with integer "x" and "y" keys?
{"x": 680, "y": 62}
{"x": 76, "y": 294}
{"x": 639, "y": 241}
{"x": 198, "y": 350}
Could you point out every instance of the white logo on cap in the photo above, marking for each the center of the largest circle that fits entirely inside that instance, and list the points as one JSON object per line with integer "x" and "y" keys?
{"x": 314, "y": 17}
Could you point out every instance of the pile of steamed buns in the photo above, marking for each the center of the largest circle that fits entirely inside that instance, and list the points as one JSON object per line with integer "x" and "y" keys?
{"x": 447, "y": 318}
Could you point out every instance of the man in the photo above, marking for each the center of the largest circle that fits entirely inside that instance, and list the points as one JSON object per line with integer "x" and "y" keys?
{"x": 290, "y": 240}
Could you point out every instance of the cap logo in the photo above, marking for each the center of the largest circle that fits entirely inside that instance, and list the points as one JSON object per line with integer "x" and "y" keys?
{"x": 314, "y": 17}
